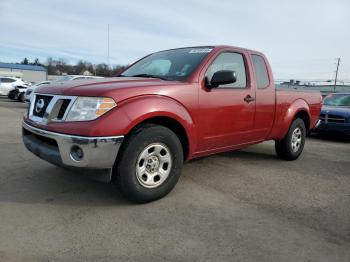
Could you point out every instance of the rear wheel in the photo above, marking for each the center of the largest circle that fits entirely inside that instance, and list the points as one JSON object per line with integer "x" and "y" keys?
{"x": 149, "y": 164}
{"x": 292, "y": 144}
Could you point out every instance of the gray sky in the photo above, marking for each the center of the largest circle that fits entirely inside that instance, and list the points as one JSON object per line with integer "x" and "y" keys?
{"x": 302, "y": 39}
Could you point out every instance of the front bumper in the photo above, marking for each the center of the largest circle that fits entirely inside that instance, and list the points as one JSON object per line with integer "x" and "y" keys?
{"x": 333, "y": 128}
{"x": 99, "y": 153}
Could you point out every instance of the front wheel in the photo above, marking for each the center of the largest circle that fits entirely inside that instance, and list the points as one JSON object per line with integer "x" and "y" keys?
{"x": 292, "y": 144}
{"x": 21, "y": 98}
{"x": 149, "y": 164}
{"x": 10, "y": 95}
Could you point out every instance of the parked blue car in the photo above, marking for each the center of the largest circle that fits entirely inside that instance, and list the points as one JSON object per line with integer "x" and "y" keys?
{"x": 335, "y": 114}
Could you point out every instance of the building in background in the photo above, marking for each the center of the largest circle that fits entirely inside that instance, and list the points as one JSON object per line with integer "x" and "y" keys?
{"x": 29, "y": 73}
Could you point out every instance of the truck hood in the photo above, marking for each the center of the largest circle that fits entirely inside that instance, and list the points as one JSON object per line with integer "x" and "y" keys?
{"x": 119, "y": 87}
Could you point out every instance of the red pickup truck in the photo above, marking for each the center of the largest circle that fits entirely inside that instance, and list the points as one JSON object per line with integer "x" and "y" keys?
{"x": 171, "y": 106}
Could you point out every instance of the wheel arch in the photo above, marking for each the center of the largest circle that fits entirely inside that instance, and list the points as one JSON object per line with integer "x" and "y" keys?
{"x": 163, "y": 111}
{"x": 173, "y": 125}
{"x": 298, "y": 109}
{"x": 303, "y": 115}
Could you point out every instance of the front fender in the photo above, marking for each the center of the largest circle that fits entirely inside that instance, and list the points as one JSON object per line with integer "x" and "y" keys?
{"x": 285, "y": 115}
{"x": 141, "y": 108}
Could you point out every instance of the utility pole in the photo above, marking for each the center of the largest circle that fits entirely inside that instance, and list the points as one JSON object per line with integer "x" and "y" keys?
{"x": 108, "y": 46}
{"x": 336, "y": 74}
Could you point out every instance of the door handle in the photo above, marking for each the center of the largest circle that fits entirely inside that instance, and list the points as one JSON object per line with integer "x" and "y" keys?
{"x": 249, "y": 99}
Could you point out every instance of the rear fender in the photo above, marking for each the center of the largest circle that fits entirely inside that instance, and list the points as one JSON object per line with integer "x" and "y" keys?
{"x": 285, "y": 116}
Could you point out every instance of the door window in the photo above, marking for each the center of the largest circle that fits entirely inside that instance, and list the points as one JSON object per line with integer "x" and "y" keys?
{"x": 229, "y": 61}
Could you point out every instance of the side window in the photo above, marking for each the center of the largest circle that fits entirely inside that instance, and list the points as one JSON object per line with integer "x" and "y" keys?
{"x": 229, "y": 61}
{"x": 7, "y": 80}
{"x": 261, "y": 74}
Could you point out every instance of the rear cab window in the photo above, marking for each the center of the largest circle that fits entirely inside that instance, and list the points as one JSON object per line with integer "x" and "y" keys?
{"x": 261, "y": 72}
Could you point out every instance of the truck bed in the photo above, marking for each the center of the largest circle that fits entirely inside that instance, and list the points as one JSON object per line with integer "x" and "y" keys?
{"x": 287, "y": 101}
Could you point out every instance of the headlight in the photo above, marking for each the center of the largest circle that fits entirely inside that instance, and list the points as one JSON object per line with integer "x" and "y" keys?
{"x": 89, "y": 108}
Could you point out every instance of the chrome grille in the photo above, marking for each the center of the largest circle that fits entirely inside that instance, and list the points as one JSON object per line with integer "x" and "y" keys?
{"x": 55, "y": 108}
{"x": 331, "y": 118}
{"x": 39, "y": 112}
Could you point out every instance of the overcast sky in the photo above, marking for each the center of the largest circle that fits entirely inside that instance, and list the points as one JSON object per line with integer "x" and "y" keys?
{"x": 302, "y": 39}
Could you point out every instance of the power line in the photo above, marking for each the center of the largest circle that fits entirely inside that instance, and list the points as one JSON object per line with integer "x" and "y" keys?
{"x": 336, "y": 74}
{"x": 108, "y": 46}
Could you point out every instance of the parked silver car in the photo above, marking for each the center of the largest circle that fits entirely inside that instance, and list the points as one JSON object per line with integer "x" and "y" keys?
{"x": 29, "y": 92}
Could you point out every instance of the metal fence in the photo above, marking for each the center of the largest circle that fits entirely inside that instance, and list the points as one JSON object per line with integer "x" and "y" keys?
{"x": 324, "y": 89}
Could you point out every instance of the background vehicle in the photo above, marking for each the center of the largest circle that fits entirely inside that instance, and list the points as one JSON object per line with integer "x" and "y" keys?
{"x": 9, "y": 83}
{"x": 335, "y": 114}
{"x": 168, "y": 107}
{"x": 29, "y": 90}
{"x": 76, "y": 77}
{"x": 18, "y": 93}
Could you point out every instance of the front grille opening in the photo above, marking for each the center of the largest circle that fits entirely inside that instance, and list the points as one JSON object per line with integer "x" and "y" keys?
{"x": 336, "y": 119}
{"x": 332, "y": 118}
{"x": 43, "y": 139}
{"x": 40, "y": 111}
{"x": 63, "y": 108}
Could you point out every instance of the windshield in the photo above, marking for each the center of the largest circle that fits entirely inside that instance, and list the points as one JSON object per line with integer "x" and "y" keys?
{"x": 337, "y": 100}
{"x": 175, "y": 64}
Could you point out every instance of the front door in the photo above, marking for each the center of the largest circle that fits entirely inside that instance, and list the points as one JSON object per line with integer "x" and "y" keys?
{"x": 226, "y": 112}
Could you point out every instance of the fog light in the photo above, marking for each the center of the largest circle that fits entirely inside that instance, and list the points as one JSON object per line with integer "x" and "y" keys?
{"x": 76, "y": 153}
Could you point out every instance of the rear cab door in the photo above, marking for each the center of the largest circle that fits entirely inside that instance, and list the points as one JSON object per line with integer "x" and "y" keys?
{"x": 265, "y": 96}
{"x": 225, "y": 116}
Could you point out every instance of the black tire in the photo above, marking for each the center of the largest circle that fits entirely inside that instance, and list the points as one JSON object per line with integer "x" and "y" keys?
{"x": 21, "y": 98}
{"x": 125, "y": 172}
{"x": 284, "y": 148}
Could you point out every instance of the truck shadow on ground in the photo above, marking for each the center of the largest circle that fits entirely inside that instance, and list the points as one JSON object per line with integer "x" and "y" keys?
{"x": 250, "y": 155}
{"x": 47, "y": 184}
{"x": 56, "y": 186}
{"x": 242, "y": 155}
{"x": 330, "y": 137}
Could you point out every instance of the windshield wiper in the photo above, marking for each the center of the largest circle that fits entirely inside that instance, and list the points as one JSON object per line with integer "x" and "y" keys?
{"x": 150, "y": 76}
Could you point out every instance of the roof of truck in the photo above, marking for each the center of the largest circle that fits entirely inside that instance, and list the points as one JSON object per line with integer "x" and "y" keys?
{"x": 214, "y": 46}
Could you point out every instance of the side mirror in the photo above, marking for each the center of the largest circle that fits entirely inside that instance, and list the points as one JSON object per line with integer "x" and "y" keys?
{"x": 223, "y": 77}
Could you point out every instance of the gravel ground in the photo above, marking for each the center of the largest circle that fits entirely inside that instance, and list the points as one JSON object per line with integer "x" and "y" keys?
{"x": 238, "y": 206}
